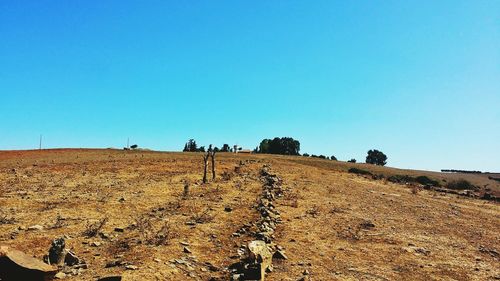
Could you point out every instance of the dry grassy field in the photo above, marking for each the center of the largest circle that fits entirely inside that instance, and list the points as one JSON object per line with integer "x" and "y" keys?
{"x": 126, "y": 213}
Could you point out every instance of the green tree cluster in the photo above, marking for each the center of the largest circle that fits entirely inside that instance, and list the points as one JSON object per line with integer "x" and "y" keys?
{"x": 284, "y": 146}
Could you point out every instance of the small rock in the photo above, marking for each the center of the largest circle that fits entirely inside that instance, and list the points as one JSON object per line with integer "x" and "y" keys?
{"x": 228, "y": 209}
{"x": 114, "y": 263}
{"x": 305, "y": 272}
{"x": 183, "y": 243}
{"x": 71, "y": 259}
{"x": 131, "y": 267}
{"x": 104, "y": 235}
{"x": 35, "y": 227}
{"x": 110, "y": 278}
{"x": 269, "y": 268}
{"x": 96, "y": 244}
{"x": 279, "y": 255}
{"x": 367, "y": 224}
{"x": 187, "y": 250}
{"x": 60, "y": 275}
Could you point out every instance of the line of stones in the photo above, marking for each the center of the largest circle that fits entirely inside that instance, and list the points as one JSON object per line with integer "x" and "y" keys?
{"x": 256, "y": 257}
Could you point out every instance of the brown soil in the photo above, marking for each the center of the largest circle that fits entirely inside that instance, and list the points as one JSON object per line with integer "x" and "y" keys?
{"x": 336, "y": 225}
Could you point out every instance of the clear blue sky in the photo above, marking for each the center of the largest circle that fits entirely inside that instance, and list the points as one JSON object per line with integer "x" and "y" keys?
{"x": 419, "y": 80}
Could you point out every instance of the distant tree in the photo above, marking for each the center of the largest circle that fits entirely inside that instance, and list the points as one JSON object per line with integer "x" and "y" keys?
{"x": 376, "y": 157}
{"x": 333, "y": 158}
{"x": 201, "y": 149}
{"x": 190, "y": 146}
{"x": 352, "y": 160}
{"x": 314, "y": 156}
{"x": 240, "y": 148}
{"x": 216, "y": 149}
{"x": 264, "y": 146}
{"x": 225, "y": 148}
{"x": 284, "y": 146}
{"x": 134, "y": 146}
{"x": 322, "y": 156}
{"x": 256, "y": 150}
{"x": 305, "y": 155}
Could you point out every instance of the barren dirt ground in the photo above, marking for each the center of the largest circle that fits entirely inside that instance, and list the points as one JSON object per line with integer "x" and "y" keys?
{"x": 336, "y": 225}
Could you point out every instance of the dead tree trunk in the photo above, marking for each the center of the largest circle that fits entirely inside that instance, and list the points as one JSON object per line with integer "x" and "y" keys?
{"x": 213, "y": 164}
{"x": 205, "y": 164}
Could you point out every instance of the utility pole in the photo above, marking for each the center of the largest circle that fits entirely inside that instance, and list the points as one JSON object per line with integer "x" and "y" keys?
{"x": 40, "y": 145}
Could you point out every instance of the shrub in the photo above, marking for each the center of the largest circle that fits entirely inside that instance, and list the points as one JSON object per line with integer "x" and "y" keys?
{"x": 423, "y": 180}
{"x": 426, "y": 181}
{"x": 401, "y": 179}
{"x": 359, "y": 171}
{"x": 93, "y": 229}
{"x": 352, "y": 160}
{"x": 305, "y": 155}
{"x": 495, "y": 179}
{"x": 461, "y": 184}
{"x": 322, "y": 156}
{"x": 333, "y": 158}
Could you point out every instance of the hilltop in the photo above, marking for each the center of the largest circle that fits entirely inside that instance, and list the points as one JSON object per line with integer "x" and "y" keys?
{"x": 127, "y": 213}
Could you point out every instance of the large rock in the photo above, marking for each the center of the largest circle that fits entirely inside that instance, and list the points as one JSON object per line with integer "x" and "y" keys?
{"x": 56, "y": 252}
{"x": 16, "y": 265}
{"x": 258, "y": 254}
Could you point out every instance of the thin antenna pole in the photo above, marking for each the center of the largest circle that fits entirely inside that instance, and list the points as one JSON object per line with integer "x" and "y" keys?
{"x": 40, "y": 145}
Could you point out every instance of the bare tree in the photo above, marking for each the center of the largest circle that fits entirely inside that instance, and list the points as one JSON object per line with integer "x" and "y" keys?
{"x": 205, "y": 164}
{"x": 212, "y": 154}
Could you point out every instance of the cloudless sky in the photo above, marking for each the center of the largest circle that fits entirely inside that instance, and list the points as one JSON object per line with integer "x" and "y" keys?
{"x": 419, "y": 80}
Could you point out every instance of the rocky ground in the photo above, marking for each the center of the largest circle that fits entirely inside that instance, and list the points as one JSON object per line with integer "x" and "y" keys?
{"x": 147, "y": 216}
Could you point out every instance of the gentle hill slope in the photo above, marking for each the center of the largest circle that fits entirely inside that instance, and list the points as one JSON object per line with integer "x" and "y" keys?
{"x": 335, "y": 225}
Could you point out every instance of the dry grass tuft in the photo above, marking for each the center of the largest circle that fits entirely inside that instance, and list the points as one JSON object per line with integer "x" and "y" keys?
{"x": 93, "y": 229}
